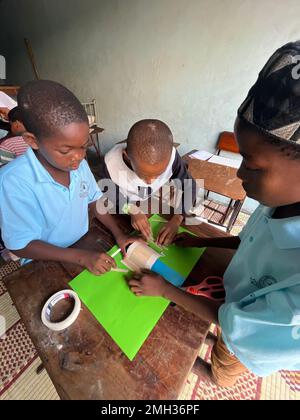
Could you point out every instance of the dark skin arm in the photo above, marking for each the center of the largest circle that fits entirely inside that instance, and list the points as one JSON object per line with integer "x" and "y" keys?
{"x": 109, "y": 222}
{"x": 150, "y": 284}
{"x": 96, "y": 262}
{"x": 187, "y": 240}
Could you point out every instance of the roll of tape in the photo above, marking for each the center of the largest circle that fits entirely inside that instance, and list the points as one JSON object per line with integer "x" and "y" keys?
{"x": 46, "y": 311}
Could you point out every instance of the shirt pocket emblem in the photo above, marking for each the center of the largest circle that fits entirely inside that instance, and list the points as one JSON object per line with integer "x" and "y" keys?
{"x": 84, "y": 189}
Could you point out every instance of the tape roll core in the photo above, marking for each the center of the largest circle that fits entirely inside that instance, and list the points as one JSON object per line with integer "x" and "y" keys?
{"x": 46, "y": 311}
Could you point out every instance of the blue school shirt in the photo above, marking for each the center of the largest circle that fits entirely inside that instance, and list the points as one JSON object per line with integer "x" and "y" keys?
{"x": 35, "y": 207}
{"x": 260, "y": 319}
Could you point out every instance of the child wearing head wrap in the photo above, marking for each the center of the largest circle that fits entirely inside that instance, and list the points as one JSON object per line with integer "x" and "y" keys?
{"x": 260, "y": 319}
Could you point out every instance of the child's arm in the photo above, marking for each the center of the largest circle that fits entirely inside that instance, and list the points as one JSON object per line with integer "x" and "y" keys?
{"x": 96, "y": 262}
{"x": 187, "y": 240}
{"x": 108, "y": 221}
{"x": 155, "y": 285}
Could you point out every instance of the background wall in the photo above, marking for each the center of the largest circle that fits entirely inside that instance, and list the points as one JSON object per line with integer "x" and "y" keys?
{"x": 187, "y": 62}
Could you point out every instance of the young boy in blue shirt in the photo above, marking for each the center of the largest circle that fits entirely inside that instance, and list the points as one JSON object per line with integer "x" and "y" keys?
{"x": 45, "y": 194}
{"x": 260, "y": 319}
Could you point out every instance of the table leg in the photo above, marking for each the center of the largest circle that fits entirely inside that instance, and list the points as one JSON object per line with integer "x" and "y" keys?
{"x": 222, "y": 221}
{"x": 236, "y": 209}
{"x": 40, "y": 369}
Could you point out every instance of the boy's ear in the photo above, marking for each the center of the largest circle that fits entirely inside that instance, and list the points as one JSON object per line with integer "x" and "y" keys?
{"x": 31, "y": 140}
{"x": 125, "y": 152}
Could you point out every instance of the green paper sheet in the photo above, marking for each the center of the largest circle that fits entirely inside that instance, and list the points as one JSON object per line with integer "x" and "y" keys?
{"x": 126, "y": 318}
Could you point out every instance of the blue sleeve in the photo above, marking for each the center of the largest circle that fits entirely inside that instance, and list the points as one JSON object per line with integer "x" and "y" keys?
{"x": 94, "y": 192}
{"x": 265, "y": 333}
{"x": 20, "y": 216}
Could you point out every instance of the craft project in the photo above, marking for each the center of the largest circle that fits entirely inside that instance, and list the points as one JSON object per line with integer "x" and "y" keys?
{"x": 129, "y": 319}
{"x": 140, "y": 255}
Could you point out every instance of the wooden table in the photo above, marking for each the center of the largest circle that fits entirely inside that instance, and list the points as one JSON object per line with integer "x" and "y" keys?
{"x": 220, "y": 179}
{"x": 10, "y": 90}
{"x": 83, "y": 361}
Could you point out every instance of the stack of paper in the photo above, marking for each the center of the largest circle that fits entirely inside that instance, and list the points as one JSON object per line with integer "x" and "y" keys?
{"x": 201, "y": 154}
{"x": 220, "y": 160}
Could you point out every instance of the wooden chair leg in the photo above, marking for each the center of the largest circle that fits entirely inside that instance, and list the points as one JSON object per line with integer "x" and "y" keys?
{"x": 222, "y": 221}
{"x": 237, "y": 208}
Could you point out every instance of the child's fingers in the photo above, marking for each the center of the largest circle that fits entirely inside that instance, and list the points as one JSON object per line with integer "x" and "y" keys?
{"x": 108, "y": 261}
{"x": 184, "y": 240}
{"x": 95, "y": 271}
{"x": 145, "y": 230}
{"x": 136, "y": 276}
{"x": 99, "y": 270}
{"x": 168, "y": 239}
{"x": 146, "y": 271}
{"x": 146, "y": 226}
{"x": 136, "y": 290}
{"x": 162, "y": 236}
{"x": 140, "y": 227}
{"x": 102, "y": 267}
{"x": 134, "y": 283}
{"x": 181, "y": 237}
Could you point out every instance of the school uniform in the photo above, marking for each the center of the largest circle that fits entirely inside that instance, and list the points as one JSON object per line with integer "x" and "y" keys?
{"x": 260, "y": 319}
{"x": 132, "y": 189}
{"x": 33, "y": 206}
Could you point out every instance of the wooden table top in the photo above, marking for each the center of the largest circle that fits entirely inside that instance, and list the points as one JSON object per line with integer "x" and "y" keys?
{"x": 220, "y": 179}
{"x": 83, "y": 361}
{"x": 10, "y": 90}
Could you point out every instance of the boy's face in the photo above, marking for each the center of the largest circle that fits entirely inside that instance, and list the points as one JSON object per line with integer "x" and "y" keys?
{"x": 146, "y": 171}
{"x": 17, "y": 128}
{"x": 268, "y": 175}
{"x": 66, "y": 149}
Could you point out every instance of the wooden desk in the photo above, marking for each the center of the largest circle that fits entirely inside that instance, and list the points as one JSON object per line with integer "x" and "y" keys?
{"x": 83, "y": 361}
{"x": 220, "y": 179}
{"x": 10, "y": 90}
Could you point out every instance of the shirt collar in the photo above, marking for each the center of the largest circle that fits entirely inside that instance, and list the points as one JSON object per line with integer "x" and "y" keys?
{"x": 41, "y": 174}
{"x": 285, "y": 232}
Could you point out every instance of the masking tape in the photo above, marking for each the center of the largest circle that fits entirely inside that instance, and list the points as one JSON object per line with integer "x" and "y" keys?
{"x": 46, "y": 311}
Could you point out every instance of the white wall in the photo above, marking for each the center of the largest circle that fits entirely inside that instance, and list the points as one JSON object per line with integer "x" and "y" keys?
{"x": 187, "y": 62}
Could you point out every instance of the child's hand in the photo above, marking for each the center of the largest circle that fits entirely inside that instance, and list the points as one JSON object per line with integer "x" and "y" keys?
{"x": 97, "y": 263}
{"x": 148, "y": 284}
{"x": 186, "y": 240}
{"x": 168, "y": 232}
{"x": 141, "y": 223}
{"x": 4, "y": 113}
{"x": 124, "y": 241}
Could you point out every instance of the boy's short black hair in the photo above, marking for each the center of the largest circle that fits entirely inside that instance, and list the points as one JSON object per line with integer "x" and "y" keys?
{"x": 150, "y": 140}
{"x": 14, "y": 115}
{"x": 47, "y": 106}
